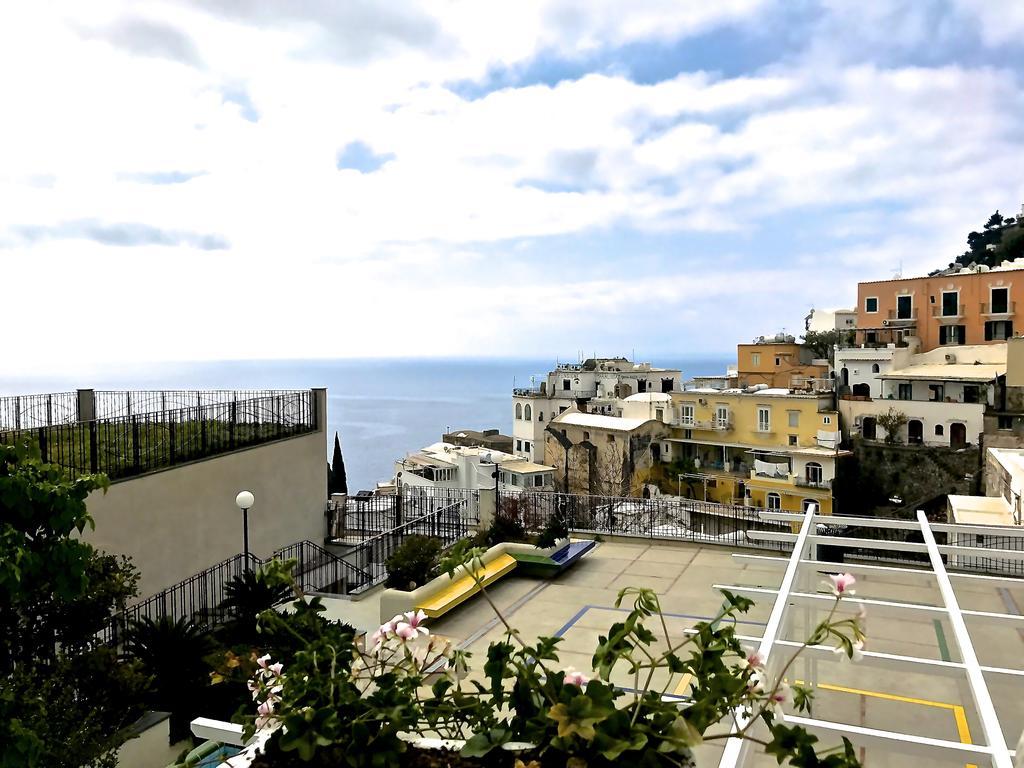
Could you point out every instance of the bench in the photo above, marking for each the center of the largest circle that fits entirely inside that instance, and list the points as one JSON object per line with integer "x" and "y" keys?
{"x": 549, "y": 566}
{"x": 465, "y": 587}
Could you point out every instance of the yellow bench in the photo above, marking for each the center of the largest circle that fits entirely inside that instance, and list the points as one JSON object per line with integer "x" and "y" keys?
{"x": 463, "y": 588}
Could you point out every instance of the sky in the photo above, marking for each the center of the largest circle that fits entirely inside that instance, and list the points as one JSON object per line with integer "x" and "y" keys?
{"x": 230, "y": 179}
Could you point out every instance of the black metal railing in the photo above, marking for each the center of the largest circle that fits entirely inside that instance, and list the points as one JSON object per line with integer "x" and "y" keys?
{"x": 358, "y": 518}
{"x": 32, "y": 411}
{"x": 448, "y": 524}
{"x": 126, "y": 446}
{"x": 112, "y": 404}
{"x": 199, "y": 597}
{"x": 663, "y": 517}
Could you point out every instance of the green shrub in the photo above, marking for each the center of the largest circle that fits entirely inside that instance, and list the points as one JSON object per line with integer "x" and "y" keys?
{"x": 414, "y": 563}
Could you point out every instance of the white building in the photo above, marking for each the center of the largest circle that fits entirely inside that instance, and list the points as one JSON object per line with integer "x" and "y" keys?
{"x": 999, "y": 508}
{"x": 823, "y": 320}
{"x": 442, "y": 465}
{"x": 943, "y": 393}
{"x": 602, "y": 384}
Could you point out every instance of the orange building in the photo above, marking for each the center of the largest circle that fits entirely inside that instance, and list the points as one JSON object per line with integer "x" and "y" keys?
{"x": 968, "y": 307}
{"x": 778, "y": 362}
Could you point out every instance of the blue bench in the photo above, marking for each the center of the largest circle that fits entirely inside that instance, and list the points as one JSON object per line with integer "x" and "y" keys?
{"x": 548, "y": 567}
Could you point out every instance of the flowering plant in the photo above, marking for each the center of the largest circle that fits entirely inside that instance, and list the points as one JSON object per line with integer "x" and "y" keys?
{"x": 340, "y": 702}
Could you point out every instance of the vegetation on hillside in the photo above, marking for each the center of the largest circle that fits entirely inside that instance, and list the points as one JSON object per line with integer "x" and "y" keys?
{"x": 1000, "y": 239}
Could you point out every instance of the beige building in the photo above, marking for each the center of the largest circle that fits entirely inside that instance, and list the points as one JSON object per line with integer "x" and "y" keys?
{"x": 606, "y": 455}
{"x": 180, "y": 520}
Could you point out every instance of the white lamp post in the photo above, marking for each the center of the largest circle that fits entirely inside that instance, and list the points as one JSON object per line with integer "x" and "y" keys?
{"x": 245, "y": 500}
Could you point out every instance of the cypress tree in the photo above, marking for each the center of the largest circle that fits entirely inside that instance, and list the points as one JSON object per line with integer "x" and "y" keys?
{"x": 339, "y": 481}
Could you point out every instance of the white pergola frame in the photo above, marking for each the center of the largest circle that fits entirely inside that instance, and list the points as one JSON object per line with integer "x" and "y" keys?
{"x": 802, "y": 572}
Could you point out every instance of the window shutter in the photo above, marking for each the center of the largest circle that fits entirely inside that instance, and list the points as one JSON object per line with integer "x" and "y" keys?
{"x": 988, "y": 331}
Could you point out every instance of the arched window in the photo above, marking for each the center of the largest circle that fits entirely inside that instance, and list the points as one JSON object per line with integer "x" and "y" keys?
{"x": 813, "y": 472}
{"x": 939, "y": 430}
{"x": 528, "y": 413}
{"x": 519, "y": 410}
{"x": 874, "y": 368}
{"x": 773, "y": 500}
{"x": 540, "y": 416}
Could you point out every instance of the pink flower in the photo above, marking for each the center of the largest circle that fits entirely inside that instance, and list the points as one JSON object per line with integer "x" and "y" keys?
{"x": 406, "y": 632}
{"x": 842, "y": 584}
{"x": 572, "y": 677}
{"x": 262, "y": 661}
{"x": 752, "y": 660}
{"x": 415, "y": 618}
{"x": 265, "y": 714}
{"x": 781, "y": 695}
{"x": 276, "y": 668}
{"x": 410, "y": 625}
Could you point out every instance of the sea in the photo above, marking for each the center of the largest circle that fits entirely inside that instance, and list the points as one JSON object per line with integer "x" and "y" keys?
{"x": 382, "y": 409}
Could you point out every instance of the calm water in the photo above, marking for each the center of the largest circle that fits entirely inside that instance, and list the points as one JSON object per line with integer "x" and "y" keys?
{"x": 382, "y": 409}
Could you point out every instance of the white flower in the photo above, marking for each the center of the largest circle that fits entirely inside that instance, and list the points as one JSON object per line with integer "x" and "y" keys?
{"x": 751, "y": 659}
{"x": 572, "y": 677}
{"x": 262, "y": 661}
{"x": 842, "y": 584}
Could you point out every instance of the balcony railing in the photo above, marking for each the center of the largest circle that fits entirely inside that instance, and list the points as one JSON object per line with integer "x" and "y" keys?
{"x": 938, "y": 312}
{"x": 804, "y": 482}
{"x": 896, "y": 318}
{"x": 1006, "y": 308}
{"x": 527, "y": 391}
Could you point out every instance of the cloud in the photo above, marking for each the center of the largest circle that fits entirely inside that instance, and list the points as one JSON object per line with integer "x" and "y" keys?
{"x": 146, "y": 37}
{"x": 120, "y": 235}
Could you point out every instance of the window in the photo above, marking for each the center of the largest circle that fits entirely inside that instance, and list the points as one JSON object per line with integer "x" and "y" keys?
{"x": 1005, "y": 422}
{"x": 755, "y": 359}
{"x": 540, "y": 416}
{"x": 874, "y": 368}
{"x": 998, "y": 330}
{"x": 1000, "y": 300}
{"x": 611, "y": 438}
{"x": 794, "y": 418}
{"x": 686, "y": 415}
{"x": 870, "y": 337}
{"x": 904, "y": 307}
{"x": 936, "y": 393}
{"x": 778, "y": 361}
{"x": 826, "y": 420}
{"x": 538, "y": 481}
{"x": 773, "y": 501}
{"x": 722, "y": 416}
{"x": 806, "y": 504}
{"x": 951, "y": 334}
{"x": 519, "y": 445}
{"x": 764, "y": 419}
{"x": 792, "y": 439}
{"x": 950, "y": 303}
{"x": 528, "y": 412}
{"x": 586, "y": 435}
{"x": 563, "y": 408}
{"x": 566, "y": 384}
{"x": 871, "y": 304}
{"x": 905, "y": 392}
{"x": 971, "y": 393}
{"x": 939, "y": 430}
{"x": 519, "y": 410}
{"x": 526, "y": 445}
{"x": 813, "y": 472}
{"x": 659, "y": 414}
{"x": 688, "y": 434}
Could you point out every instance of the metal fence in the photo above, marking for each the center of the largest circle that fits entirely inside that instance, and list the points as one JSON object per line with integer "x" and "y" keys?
{"x": 112, "y": 404}
{"x": 448, "y": 524}
{"x": 33, "y": 411}
{"x": 665, "y": 517}
{"x": 358, "y": 518}
{"x": 126, "y": 446}
{"x": 198, "y": 598}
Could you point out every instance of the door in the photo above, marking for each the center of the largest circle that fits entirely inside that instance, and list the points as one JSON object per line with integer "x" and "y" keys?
{"x": 915, "y": 432}
{"x": 868, "y": 427}
{"x": 957, "y": 435}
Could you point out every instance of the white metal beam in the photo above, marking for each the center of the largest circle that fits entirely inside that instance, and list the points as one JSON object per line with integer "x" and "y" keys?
{"x": 735, "y": 749}
{"x": 217, "y": 730}
{"x": 975, "y": 678}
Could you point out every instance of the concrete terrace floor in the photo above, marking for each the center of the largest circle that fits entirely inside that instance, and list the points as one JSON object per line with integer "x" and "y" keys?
{"x": 579, "y": 605}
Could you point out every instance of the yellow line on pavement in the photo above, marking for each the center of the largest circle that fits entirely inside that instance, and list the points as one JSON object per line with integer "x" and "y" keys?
{"x": 684, "y": 683}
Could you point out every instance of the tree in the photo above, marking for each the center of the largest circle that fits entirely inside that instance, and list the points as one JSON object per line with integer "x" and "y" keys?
{"x": 66, "y": 697}
{"x": 994, "y": 221}
{"x": 822, "y": 343}
{"x": 338, "y": 477}
{"x": 892, "y": 421}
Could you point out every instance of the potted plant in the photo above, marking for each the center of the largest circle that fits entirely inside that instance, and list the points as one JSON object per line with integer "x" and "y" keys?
{"x": 403, "y": 696}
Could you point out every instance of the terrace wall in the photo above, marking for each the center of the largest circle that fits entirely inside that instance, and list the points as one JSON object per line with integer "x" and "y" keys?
{"x": 178, "y": 521}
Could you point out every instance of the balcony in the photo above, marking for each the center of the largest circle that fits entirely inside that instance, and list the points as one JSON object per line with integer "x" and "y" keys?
{"x": 1005, "y": 309}
{"x": 947, "y": 317}
{"x": 527, "y": 392}
{"x": 722, "y": 425}
{"x": 904, "y": 319}
{"x": 803, "y": 482}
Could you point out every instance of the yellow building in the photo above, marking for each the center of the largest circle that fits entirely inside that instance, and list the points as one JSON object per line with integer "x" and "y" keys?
{"x": 780, "y": 362}
{"x": 763, "y": 447}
